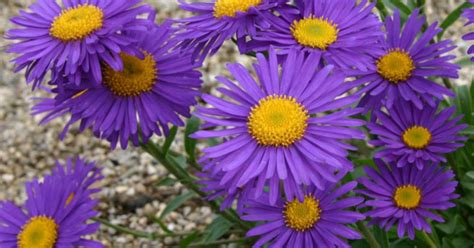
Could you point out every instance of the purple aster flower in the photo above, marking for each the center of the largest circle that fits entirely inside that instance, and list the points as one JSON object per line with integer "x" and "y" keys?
{"x": 57, "y": 210}
{"x": 149, "y": 93}
{"x": 402, "y": 71}
{"x": 74, "y": 37}
{"x": 276, "y": 125}
{"x": 469, "y": 15}
{"x": 342, "y": 32}
{"x": 414, "y": 137}
{"x": 406, "y": 196}
{"x": 320, "y": 220}
{"x": 219, "y": 20}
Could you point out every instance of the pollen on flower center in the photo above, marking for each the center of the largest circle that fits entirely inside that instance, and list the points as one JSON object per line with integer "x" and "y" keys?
{"x": 231, "y": 7}
{"x": 77, "y": 23}
{"x": 302, "y": 216}
{"x": 277, "y": 120}
{"x": 407, "y": 196}
{"x": 314, "y": 32}
{"x": 39, "y": 232}
{"x": 417, "y": 137}
{"x": 138, "y": 76}
{"x": 397, "y": 65}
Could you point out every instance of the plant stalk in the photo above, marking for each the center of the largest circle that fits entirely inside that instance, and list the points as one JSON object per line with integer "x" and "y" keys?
{"x": 369, "y": 236}
{"x": 218, "y": 242}
{"x": 122, "y": 229}
{"x": 428, "y": 240}
{"x": 182, "y": 175}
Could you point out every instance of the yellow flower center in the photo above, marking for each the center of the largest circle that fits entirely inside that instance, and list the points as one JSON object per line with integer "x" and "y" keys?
{"x": 77, "y": 23}
{"x": 277, "y": 120}
{"x": 314, "y": 32}
{"x": 417, "y": 137}
{"x": 231, "y": 7}
{"x": 39, "y": 232}
{"x": 407, "y": 196}
{"x": 395, "y": 66}
{"x": 138, "y": 75}
{"x": 302, "y": 216}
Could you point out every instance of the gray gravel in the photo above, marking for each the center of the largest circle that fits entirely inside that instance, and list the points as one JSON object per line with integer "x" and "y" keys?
{"x": 129, "y": 194}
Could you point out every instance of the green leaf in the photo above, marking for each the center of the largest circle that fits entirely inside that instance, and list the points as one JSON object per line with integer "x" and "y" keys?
{"x": 401, "y": 6}
{"x": 161, "y": 224}
{"x": 177, "y": 202}
{"x": 212, "y": 142}
{"x": 180, "y": 160}
{"x": 468, "y": 200}
{"x": 167, "y": 181}
{"x": 382, "y": 9}
{"x": 472, "y": 90}
{"x": 465, "y": 102}
{"x": 192, "y": 126}
{"x": 217, "y": 229}
{"x": 452, "y": 226}
{"x": 381, "y": 237}
{"x": 468, "y": 184}
{"x": 420, "y": 3}
{"x": 446, "y": 243}
{"x": 361, "y": 243}
{"x": 188, "y": 240}
{"x": 462, "y": 242}
{"x": 452, "y": 18}
{"x": 169, "y": 140}
{"x": 465, "y": 61}
{"x": 470, "y": 174}
{"x": 471, "y": 221}
{"x": 403, "y": 243}
{"x": 468, "y": 131}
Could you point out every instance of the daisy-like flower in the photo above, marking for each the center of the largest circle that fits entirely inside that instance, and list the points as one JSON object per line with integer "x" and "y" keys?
{"x": 469, "y": 15}
{"x": 219, "y": 20}
{"x": 342, "y": 32}
{"x": 402, "y": 71}
{"x": 57, "y": 210}
{"x": 320, "y": 220}
{"x": 74, "y": 37}
{"x": 414, "y": 137}
{"x": 276, "y": 125}
{"x": 150, "y": 92}
{"x": 406, "y": 196}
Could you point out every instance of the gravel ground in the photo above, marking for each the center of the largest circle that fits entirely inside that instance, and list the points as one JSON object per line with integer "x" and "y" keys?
{"x": 129, "y": 194}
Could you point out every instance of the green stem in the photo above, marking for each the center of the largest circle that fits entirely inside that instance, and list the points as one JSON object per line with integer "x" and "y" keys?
{"x": 122, "y": 229}
{"x": 188, "y": 160}
{"x": 428, "y": 240}
{"x": 183, "y": 176}
{"x": 218, "y": 242}
{"x": 434, "y": 235}
{"x": 148, "y": 235}
{"x": 368, "y": 235}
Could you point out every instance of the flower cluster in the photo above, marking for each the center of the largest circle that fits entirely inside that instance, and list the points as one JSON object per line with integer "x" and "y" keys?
{"x": 284, "y": 127}
{"x": 74, "y": 38}
{"x": 284, "y": 123}
{"x": 58, "y": 210}
{"x": 109, "y": 67}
